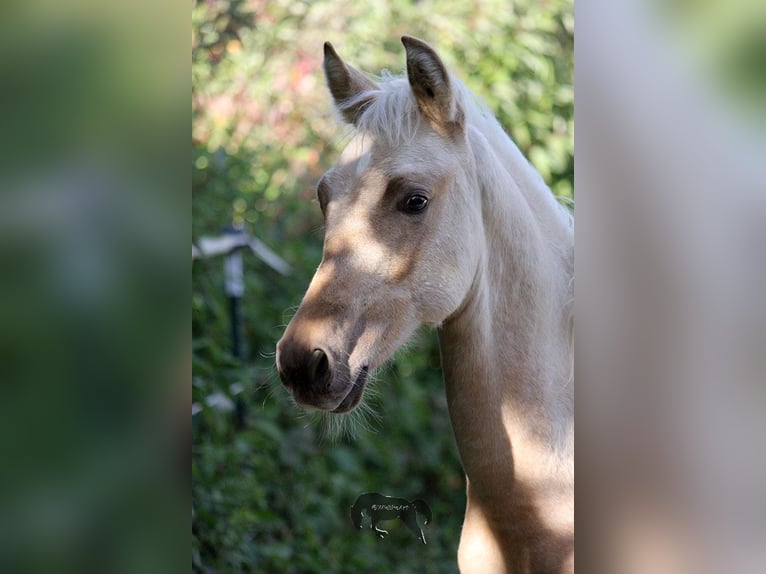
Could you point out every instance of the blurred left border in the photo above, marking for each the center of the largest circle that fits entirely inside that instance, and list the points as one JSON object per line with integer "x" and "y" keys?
{"x": 94, "y": 333}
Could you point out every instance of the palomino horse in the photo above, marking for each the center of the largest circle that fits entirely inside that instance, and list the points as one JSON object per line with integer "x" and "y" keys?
{"x": 433, "y": 216}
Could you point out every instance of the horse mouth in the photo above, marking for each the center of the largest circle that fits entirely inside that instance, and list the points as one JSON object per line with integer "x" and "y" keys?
{"x": 354, "y": 394}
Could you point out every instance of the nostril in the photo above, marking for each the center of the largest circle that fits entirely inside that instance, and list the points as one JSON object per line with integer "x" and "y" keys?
{"x": 320, "y": 366}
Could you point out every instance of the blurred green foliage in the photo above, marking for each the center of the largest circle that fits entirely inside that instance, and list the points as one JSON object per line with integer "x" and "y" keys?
{"x": 725, "y": 44}
{"x": 269, "y": 494}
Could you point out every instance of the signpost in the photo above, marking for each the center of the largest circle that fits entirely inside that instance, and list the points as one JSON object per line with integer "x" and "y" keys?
{"x": 231, "y": 244}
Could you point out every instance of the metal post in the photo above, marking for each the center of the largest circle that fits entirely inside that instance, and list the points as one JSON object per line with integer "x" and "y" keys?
{"x": 235, "y": 288}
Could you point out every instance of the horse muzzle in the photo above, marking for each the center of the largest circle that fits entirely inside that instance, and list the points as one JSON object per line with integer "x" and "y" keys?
{"x": 316, "y": 378}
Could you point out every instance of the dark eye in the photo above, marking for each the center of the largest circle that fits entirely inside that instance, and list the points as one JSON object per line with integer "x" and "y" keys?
{"x": 415, "y": 203}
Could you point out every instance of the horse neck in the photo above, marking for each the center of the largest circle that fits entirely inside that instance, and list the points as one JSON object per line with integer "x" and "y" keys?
{"x": 505, "y": 352}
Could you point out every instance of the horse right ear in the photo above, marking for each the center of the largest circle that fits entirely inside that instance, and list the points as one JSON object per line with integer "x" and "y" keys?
{"x": 346, "y": 85}
{"x": 430, "y": 82}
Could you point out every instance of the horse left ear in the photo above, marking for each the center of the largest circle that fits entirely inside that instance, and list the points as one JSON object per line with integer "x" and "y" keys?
{"x": 430, "y": 82}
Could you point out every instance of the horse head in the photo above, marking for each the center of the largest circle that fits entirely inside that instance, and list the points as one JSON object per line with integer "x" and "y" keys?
{"x": 401, "y": 214}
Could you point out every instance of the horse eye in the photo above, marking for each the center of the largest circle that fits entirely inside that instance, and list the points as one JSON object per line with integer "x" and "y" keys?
{"x": 415, "y": 203}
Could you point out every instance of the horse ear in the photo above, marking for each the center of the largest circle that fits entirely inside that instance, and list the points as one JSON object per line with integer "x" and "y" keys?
{"x": 345, "y": 85}
{"x": 430, "y": 82}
